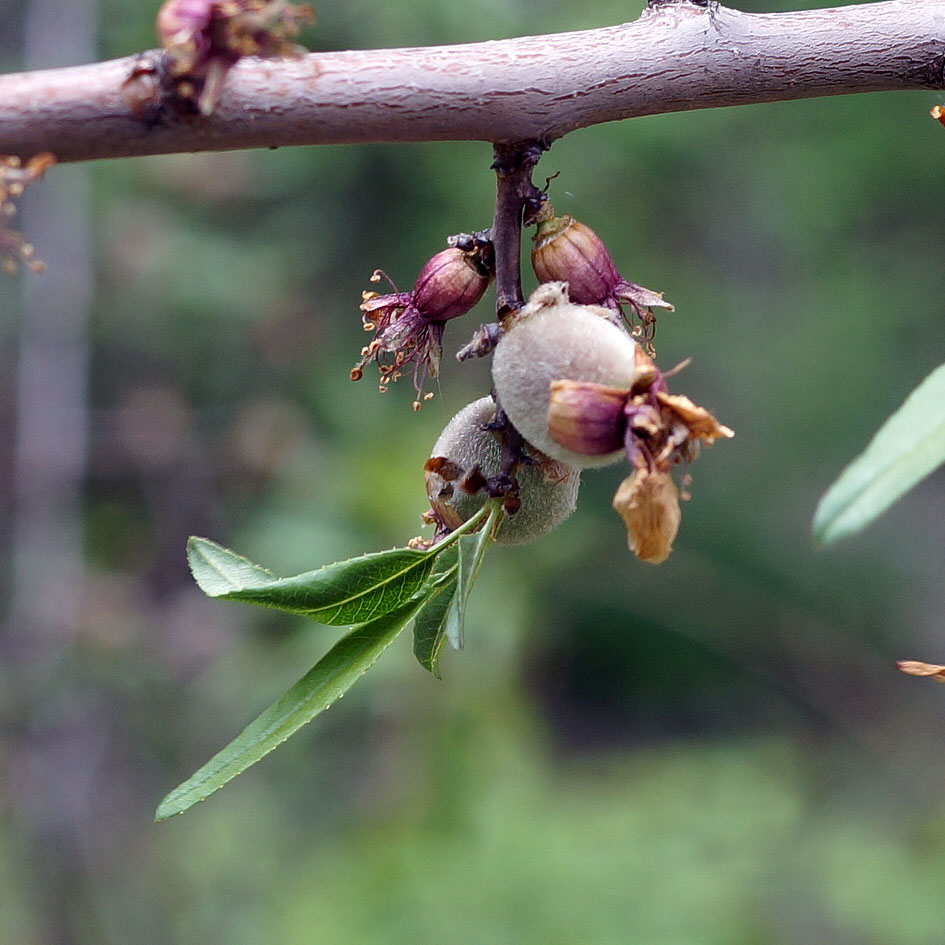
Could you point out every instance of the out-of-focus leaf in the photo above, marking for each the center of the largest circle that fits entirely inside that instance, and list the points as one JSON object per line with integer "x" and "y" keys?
{"x": 347, "y": 592}
{"x": 429, "y": 629}
{"x": 905, "y": 449}
{"x": 324, "y": 684}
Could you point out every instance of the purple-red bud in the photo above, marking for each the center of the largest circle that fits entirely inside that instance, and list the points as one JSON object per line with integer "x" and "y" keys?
{"x": 450, "y": 284}
{"x": 408, "y": 326}
{"x": 568, "y": 251}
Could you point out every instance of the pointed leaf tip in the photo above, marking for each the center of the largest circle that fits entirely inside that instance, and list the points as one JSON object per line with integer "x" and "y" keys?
{"x": 326, "y": 682}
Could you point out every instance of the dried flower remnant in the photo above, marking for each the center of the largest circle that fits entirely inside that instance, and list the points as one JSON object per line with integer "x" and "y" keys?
{"x": 663, "y": 430}
{"x": 658, "y": 430}
{"x": 204, "y": 39}
{"x": 408, "y": 326}
{"x": 14, "y": 178}
{"x": 568, "y": 251}
{"x": 915, "y": 668}
{"x": 648, "y": 503}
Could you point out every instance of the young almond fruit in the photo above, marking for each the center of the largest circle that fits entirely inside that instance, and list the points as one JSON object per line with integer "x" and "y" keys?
{"x": 551, "y": 340}
{"x": 467, "y": 452}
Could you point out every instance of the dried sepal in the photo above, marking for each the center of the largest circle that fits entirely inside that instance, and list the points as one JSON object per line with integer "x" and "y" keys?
{"x": 698, "y": 421}
{"x": 648, "y": 502}
{"x": 915, "y": 668}
{"x": 15, "y": 177}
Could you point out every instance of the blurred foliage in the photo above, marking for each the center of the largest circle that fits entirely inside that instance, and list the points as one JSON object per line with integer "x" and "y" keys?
{"x": 716, "y": 751}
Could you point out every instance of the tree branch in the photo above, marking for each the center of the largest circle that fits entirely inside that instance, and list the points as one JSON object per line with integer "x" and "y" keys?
{"x": 676, "y": 56}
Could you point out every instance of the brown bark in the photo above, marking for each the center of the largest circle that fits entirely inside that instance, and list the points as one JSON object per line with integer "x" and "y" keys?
{"x": 676, "y": 56}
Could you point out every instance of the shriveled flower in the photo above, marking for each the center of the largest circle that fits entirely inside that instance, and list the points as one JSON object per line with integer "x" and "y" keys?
{"x": 408, "y": 326}
{"x": 648, "y": 502}
{"x": 658, "y": 431}
{"x": 14, "y": 178}
{"x": 568, "y": 251}
{"x": 204, "y": 39}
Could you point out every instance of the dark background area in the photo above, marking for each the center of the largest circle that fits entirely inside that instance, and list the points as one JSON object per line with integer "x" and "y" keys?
{"x": 716, "y": 751}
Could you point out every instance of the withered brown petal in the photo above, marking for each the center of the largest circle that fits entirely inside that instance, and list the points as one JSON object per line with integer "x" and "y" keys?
{"x": 700, "y": 422}
{"x": 648, "y": 502}
{"x": 915, "y": 668}
{"x": 586, "y": 418}
{"x": 646, "y": 370}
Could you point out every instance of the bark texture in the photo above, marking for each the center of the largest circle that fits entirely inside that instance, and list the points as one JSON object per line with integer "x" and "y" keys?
{"x": 676, "y": 56}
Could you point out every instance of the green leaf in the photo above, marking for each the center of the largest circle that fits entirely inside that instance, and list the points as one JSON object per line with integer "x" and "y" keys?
{"x": 340, "y": 594}
{"x": 323, "y": 685}
{"x": 905, "y": 449}
{"x": 429, "y": 632}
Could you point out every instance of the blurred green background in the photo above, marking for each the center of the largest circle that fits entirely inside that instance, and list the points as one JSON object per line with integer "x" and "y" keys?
{"x": 717, "y": 751}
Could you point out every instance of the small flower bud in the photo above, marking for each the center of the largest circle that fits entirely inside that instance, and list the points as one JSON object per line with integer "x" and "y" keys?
{"x": 550, "y": 339}
{"x": 408, "y": 326}
{"x": 568, "y": 251}
{"x": 466, "y": 454}
{"x": 450, "y": 284}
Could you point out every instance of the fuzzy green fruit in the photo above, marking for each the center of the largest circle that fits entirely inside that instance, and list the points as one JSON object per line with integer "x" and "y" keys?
{"x": 547, "y": 490}
{"x": 552, "y": 339}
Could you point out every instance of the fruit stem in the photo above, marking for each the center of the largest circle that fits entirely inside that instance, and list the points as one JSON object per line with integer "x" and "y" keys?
{"x": 513, "y": 165}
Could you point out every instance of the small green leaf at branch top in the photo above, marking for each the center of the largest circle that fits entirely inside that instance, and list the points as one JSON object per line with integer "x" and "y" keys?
{"x": 905, "y": 449}
{"x": 340, "y": 594}
{"x": 323, "y": 685}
